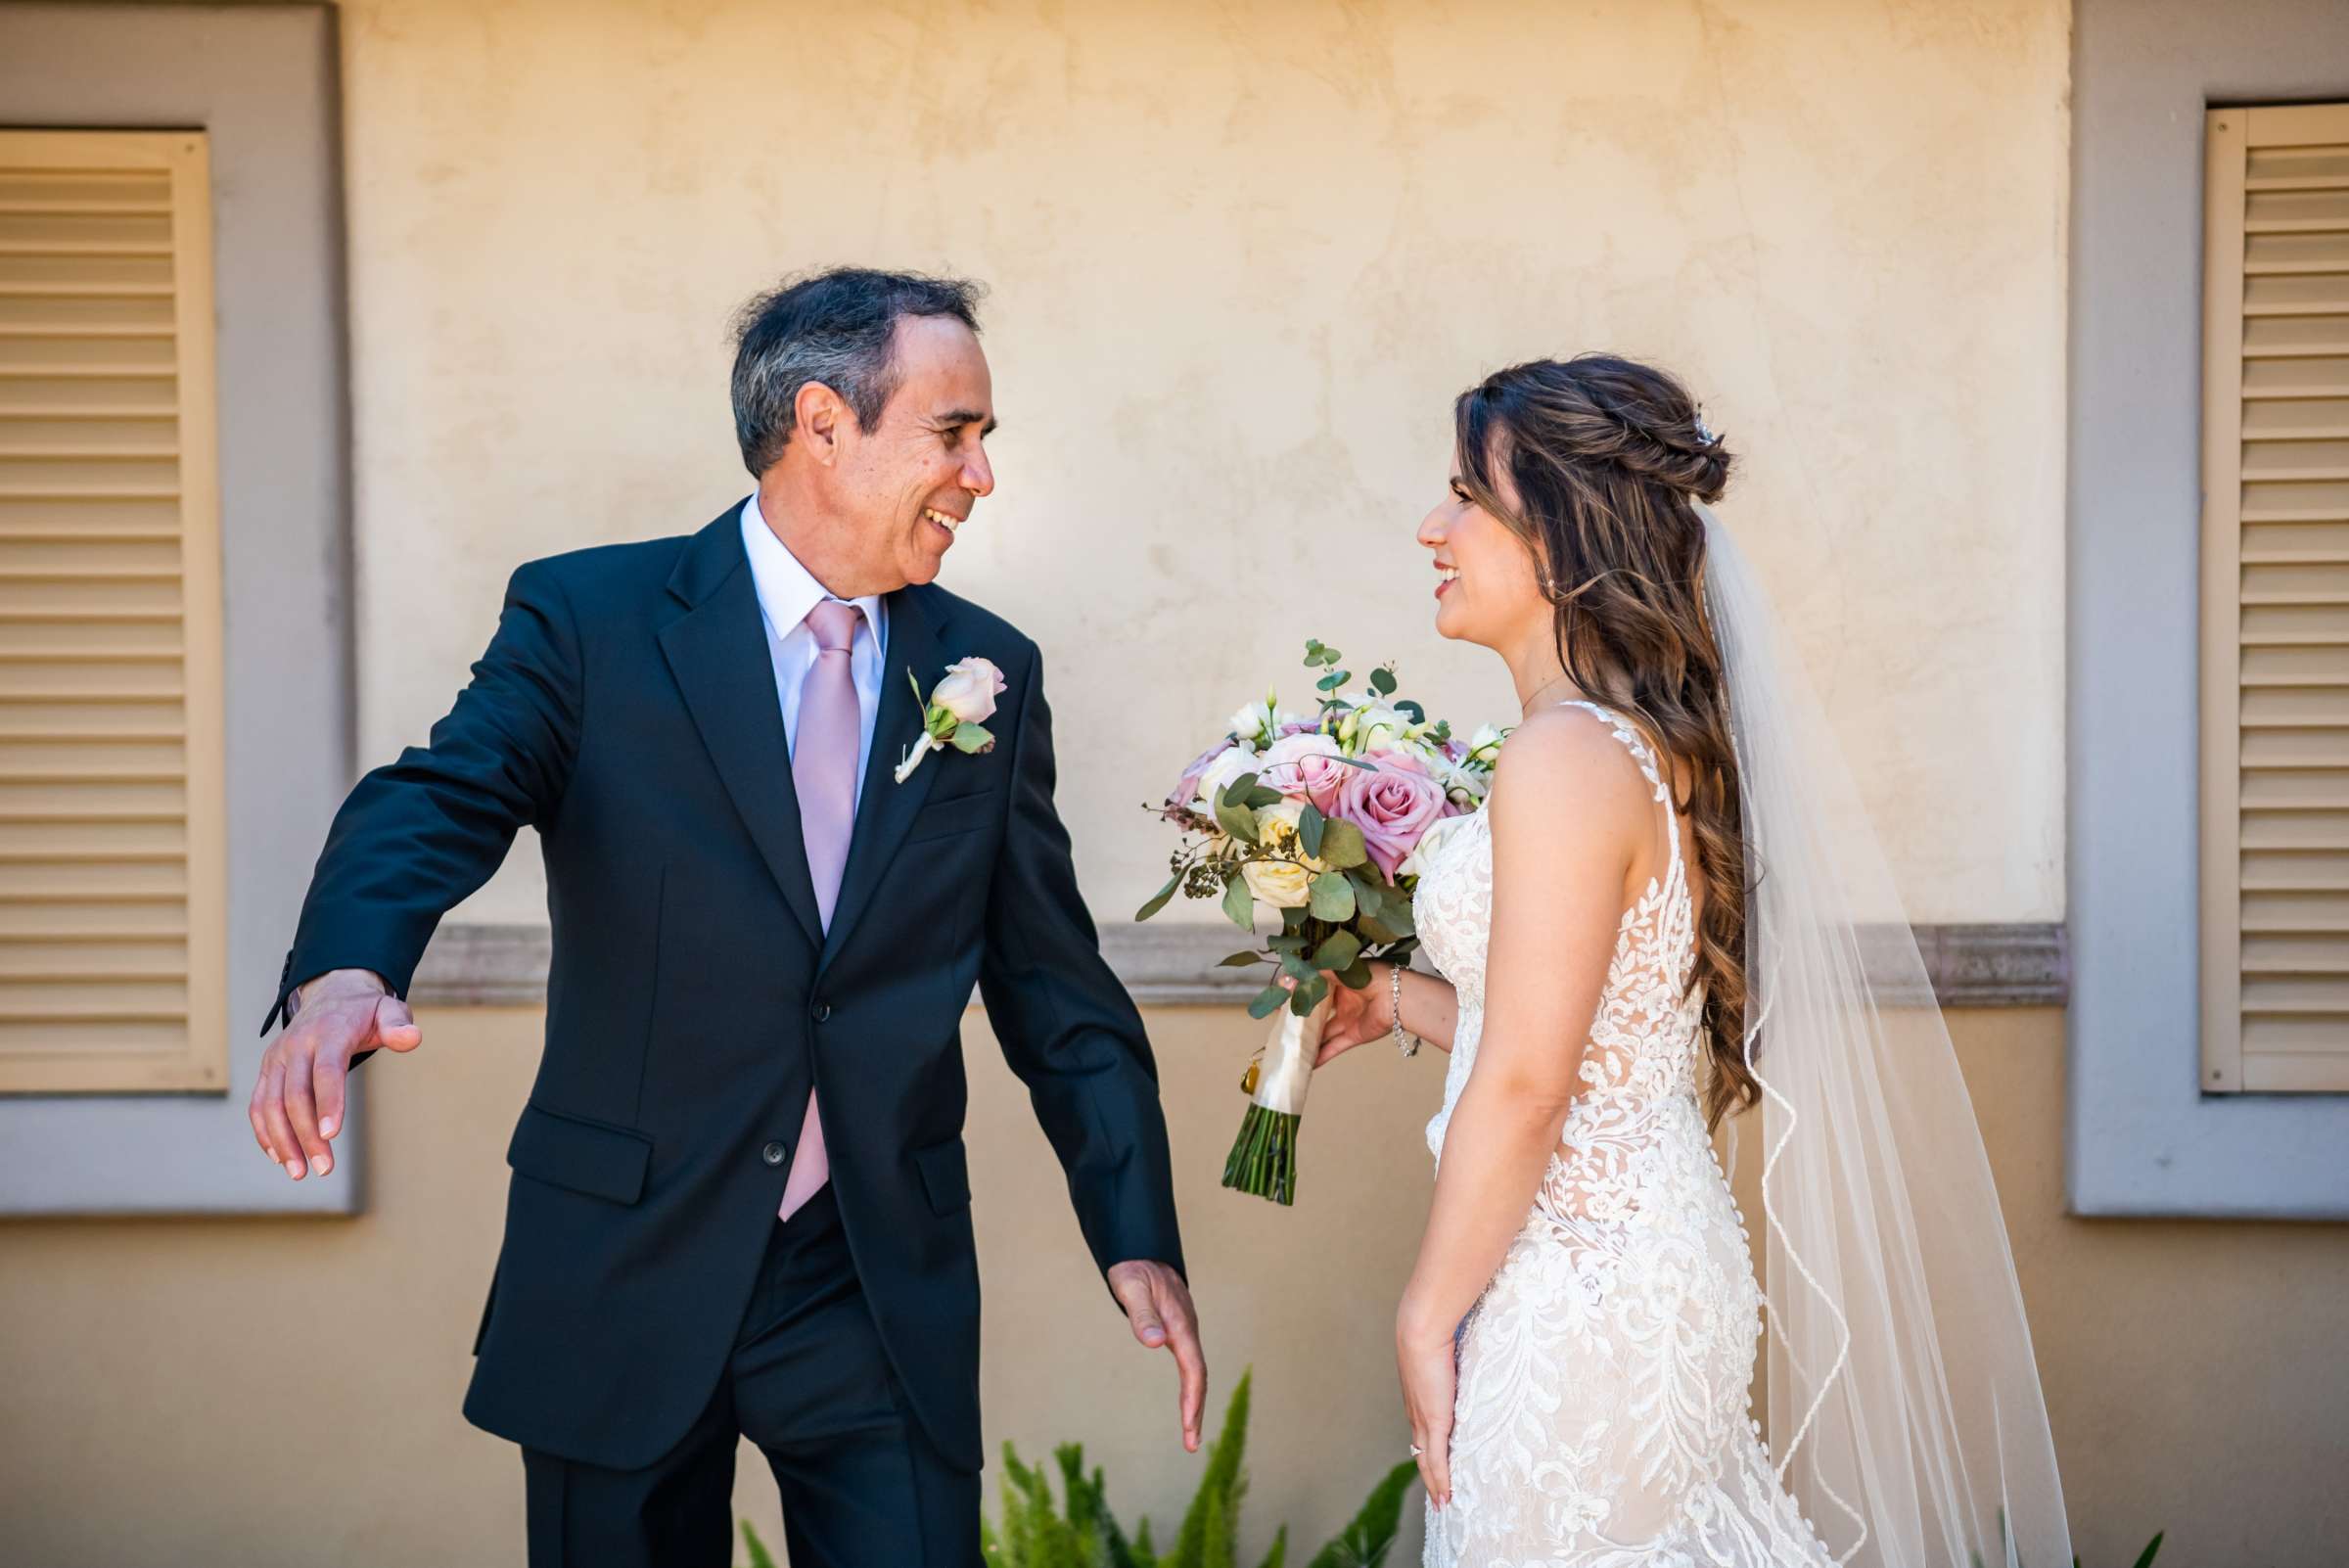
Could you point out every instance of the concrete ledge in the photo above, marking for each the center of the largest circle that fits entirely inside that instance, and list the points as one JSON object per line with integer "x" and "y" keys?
{"x": 1173, "y": 965}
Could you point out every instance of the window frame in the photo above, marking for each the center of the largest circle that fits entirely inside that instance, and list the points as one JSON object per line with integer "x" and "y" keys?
{"x": 2142, "y": 1138}
{"x": 260, "y": 81}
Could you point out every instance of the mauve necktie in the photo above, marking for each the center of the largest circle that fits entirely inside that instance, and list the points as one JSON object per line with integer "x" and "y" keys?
{"x": 823, "y": 771}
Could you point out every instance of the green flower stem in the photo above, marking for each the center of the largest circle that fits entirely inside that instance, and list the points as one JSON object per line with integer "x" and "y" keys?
{"x": 1264, "y": 1157}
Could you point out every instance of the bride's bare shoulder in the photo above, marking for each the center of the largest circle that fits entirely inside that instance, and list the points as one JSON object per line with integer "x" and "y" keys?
{"x": 1564, "y": 780}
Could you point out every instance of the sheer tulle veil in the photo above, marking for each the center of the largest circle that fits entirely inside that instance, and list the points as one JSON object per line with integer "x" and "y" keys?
{"x": 1905, "y": 1415}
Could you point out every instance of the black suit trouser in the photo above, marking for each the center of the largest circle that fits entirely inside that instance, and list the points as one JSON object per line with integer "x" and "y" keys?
{"x": 810, "y": 1384}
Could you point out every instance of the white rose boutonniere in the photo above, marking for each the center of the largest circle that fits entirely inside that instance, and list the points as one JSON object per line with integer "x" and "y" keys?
{"x": 956, "y": 712}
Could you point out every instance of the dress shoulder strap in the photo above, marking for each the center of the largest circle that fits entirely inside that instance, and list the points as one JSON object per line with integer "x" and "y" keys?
{"x": 1645, "y": 758}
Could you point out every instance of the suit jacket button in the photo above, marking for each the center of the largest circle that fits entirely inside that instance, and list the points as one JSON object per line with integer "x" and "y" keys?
{"x": 773, "y": 1154}
{"x": 822, "y": 1012}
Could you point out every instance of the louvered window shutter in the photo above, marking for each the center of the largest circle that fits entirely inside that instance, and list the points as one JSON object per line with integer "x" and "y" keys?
{"x": 2274, "y": 826}
{"x": 113, "y": 841}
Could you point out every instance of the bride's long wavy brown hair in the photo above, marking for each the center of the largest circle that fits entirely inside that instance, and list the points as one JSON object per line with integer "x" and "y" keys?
{"x": 1607, "y": 457}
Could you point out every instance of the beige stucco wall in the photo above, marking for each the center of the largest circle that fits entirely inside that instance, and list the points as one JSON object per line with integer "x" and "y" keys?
{"x": 285, "y": 1392}
{"x": 1242, "y": 258}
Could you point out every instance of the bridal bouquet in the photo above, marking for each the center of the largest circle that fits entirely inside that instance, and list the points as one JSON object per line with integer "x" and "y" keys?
{"x": 1322, "y": 820}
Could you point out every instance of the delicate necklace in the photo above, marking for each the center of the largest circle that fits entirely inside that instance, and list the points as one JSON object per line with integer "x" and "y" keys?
{"x": 1528, "y": 706}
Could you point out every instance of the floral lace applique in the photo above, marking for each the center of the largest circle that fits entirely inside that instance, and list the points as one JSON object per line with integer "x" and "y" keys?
{"x": 1601, "y": 1416}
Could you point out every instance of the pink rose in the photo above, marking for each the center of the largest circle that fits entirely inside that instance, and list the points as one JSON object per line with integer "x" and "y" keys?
{"x": 1305, "y": 764}
{"x": 1392, "y": 806}
{"x": 969, "y": 691}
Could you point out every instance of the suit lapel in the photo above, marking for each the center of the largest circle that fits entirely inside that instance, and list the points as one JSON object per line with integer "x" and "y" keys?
{"x": 719, "y": 657}
{"x": 885, "y": 808}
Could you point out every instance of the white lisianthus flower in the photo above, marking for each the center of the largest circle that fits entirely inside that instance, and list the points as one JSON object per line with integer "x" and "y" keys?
{"x": 1282, "y": 884}
{"x": 1484, "y": 747}
{"x": 1380, "y": 728}
{"x": 1258, "y": 722}
{"x": 1230, "y": 764}
{"x": 1464, "y": 784}
{"x": 1431, "y": 843}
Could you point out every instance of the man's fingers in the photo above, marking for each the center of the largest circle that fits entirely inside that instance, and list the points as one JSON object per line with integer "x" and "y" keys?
{"x": 327, "y": 1074}
{"x": 1190, "y": 1363}
{"x": 301, "y": 1109}
{"x": 253, "y": 1111}
{"x": 395, "y": 1027}
{"x": 283, "y": 1146}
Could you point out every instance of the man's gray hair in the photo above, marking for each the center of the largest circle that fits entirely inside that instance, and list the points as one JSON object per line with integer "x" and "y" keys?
{"x": 832, "y": 327}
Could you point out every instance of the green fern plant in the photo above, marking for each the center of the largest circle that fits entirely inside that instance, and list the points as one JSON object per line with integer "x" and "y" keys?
{"x": 1037, "y": 1533}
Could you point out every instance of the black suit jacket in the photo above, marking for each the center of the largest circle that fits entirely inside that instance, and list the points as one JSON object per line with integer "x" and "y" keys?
{"x": 626, "y": 709}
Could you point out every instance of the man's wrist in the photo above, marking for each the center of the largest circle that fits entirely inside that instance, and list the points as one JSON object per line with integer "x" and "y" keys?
{"x": 335, "y": 983}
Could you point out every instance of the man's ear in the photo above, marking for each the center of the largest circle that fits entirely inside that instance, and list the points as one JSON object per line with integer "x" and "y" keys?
{"x": 818, "y": 416}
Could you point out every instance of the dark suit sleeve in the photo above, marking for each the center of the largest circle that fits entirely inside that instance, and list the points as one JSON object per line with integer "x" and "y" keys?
{"x": 1066, "y": 1025}
{"x": 415, "y": 837}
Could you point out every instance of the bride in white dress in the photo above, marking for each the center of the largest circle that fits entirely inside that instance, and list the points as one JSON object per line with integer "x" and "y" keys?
{"x": 1669, "y": 857}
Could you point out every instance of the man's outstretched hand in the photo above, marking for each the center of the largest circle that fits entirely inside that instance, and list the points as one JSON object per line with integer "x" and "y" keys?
{"x": 298, "y": 1099}
{"x": 1158, "y": 1304}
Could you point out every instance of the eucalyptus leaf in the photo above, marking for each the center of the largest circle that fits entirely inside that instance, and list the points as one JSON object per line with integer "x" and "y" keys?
{"x": 1237, "y": 820}
{"x": 1268, "y": 1002}
{"x": 1332, "y": 897}
{"x": 1297, "y": 967}
{"x": 1330, "y": 682}
{"x": 1356, "y": 974}
{"x": 1263, "y": 796}
{"x": 1239, "y": 904}
{"x": 1307, "y": 995}
{"x": 1157, "y": 899}
{"x": 1292, "y": 920}
{"x": 1342, "y": 846}
{"x": 1418, "y": 714}
{"x": 1288, "y": 942}
{"x": 1310, "y": 824}
{"x": 1241, "y": 960}
{"x": 1375, "y": 931}
{"x": 1382, "y": 682}
{"x": 1369, "y": 894}
{"x": 972, "y": 738}
{"x": 1339, "y": 953}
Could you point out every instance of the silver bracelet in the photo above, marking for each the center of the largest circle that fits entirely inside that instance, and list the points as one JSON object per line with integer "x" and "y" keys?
{"x": 1405, "y": 1040}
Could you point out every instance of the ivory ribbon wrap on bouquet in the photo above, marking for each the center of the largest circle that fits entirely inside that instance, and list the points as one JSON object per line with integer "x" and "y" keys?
{"x": 1286, "y": 1069}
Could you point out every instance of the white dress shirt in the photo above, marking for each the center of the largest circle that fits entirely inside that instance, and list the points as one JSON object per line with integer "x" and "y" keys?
{"x": 787, "y": 592}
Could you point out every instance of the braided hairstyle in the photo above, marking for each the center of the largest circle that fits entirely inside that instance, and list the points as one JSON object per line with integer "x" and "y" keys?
{"x": 1607, "y": 458}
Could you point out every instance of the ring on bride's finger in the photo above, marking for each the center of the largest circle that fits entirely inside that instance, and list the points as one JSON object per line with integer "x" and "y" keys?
{"x": 1416, "y": 1450}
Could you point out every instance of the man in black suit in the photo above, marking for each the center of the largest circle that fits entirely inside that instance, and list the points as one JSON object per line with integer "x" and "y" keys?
{"x": 739, "y": 1203}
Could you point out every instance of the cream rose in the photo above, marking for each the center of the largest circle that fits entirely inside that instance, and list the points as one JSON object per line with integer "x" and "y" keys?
{"x": 969, "y": 690}
{"x": 1282, "y": 884}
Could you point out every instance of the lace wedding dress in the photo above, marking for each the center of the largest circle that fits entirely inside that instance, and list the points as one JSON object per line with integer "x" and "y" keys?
{"x": 1601, "y": 1418}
